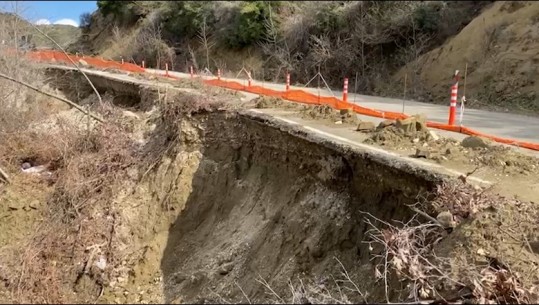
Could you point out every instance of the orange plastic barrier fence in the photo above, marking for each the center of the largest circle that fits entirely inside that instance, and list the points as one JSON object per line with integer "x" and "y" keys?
{"x": 309, "y": 98}
{"x": 56, "y": 56}
{"x": 291, "y": 95}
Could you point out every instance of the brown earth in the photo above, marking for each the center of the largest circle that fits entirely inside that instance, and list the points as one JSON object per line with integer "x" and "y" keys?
{"x": 446, "y": 150}
{"x": 500, "y": 47}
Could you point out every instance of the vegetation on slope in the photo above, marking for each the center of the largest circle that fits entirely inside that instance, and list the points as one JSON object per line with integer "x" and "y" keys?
{"x": 63, "y": 34}
{"x": 376, "y": 44}
{"x": 338, "y": 37}
{"x": 500, "y": 47}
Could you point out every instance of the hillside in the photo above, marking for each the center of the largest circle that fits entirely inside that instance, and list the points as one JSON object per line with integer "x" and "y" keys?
{"x": 501, "y": 48}
{"x": 12, "y": 26}
{"x": 375, "y": 44}
{"x": 63, "y": 34}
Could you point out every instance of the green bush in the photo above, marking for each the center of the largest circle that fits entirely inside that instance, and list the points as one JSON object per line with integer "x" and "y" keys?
{"x": 185, "y": 18}
{"x": 329, "y": 18}
{"x": 111, "y": 7}
{"x": 122, "y": 11}
{"x": 85, "y": 20}
{"x": 249, "y": 23}
{"x": 427, "y": 18}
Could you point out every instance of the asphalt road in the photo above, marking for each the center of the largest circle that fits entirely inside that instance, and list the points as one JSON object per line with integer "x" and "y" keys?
{"x": 514, "y": 126}
{"x": 374, "y": 102}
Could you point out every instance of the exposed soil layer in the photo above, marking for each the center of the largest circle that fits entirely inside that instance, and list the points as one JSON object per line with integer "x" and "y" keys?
{"x": 270, "y": 202}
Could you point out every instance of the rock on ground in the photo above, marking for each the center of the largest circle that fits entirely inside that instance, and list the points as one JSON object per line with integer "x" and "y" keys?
{"x": 475, "y": 142}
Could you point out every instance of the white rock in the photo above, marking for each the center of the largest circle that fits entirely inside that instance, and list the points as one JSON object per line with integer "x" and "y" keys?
{"x": 434, "y": 136}
{"x": 34, "y": 170}
{"x": 101, "y": 263}
{"x": 130, "y": 114}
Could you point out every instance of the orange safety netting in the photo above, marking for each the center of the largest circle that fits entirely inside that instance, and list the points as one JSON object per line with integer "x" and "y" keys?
{"x": 56, "y": 56}
{"x": 291, "y": 95}
{"x": 309, "y": 98}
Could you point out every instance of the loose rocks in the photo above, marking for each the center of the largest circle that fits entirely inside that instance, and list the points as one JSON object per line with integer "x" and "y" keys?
{"x": 365, "y": 126}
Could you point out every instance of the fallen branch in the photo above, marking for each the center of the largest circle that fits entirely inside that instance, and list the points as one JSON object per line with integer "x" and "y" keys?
{"x": 407, "y": 252}
{"x": 4, "y": 175}
{"x": 71, "y": 60}
{"x": 436, "y": 221}
{"x": 53, "y": 96}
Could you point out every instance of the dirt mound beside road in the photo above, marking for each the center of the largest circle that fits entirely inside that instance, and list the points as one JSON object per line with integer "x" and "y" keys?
{"x": 472, "y": 150}
{"x": 325, "y": 112}
{"x": 273, "y": 102}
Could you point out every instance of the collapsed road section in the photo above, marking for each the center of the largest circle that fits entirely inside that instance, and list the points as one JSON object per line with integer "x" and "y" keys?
{"x": 198, "y": 198}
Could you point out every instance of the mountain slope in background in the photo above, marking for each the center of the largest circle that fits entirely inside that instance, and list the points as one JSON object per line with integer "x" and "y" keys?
{"x": 63, "y": 34}
{"x": 11, "y": 27}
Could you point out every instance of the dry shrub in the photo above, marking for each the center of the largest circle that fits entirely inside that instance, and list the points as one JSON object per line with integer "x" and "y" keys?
{"x": 341, "y": 289}
{"x": 498, "y": 285}
{"x": 144, "y": 43}
{"x": 208, "y": 99}
{"x": 461, "y": 200}
{"x": 92, "y": 167}
{"x": 35, "y": 147}
{"x": 20, "y": 108}
{"x": 79, "y": 226}
{"x": 405, "y": 252}
{"x": 80, "y": 214}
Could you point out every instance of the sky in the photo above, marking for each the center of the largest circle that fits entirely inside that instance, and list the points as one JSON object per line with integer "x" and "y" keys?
{"x": 50, "y": 12}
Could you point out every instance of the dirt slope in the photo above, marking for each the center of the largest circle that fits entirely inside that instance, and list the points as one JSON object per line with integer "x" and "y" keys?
{"x": 63, "y": 34}
{"x": 267, "y": 205}
{"x": 501, "y": 48}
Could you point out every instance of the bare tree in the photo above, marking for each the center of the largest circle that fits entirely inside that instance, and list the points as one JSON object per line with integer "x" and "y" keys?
{"x": 205, "y": 39}
{"x": 410, "y": 52}
{"x": 321, "y": 46}
{"x": 149, "y": 45}
{"x": 13, "y": 30}
{"x": 116, "y": 34}
{"x": 274, "y": 47}
{"x": 193, "y": 56}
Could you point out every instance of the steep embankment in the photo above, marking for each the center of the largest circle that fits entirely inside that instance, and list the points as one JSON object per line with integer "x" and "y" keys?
{"x": 268, "y": 212}
{"x": 269, "y": 202}
{"x": 500, "y": 47}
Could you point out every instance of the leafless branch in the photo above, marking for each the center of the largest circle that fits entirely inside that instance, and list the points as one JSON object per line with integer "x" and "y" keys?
{"x": 4, "y": 175}
{"x": 53, "y": 96}
{"x": 206, "y": 41}
{"x": 71, "y": 60}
